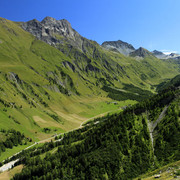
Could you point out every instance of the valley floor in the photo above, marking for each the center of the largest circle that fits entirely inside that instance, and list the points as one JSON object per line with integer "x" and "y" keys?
{"x": 72, "y": 121}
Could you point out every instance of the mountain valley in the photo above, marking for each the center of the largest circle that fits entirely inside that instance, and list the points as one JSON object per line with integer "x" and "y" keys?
{"x": 100, "y": 98}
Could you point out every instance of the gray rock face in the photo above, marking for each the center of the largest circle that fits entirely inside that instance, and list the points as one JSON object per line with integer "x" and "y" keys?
{"x": 53, "y": 31}
{"x": 61, "y": 27}
{"x": 141, "y": 52}
{"x": 120, "y": 46}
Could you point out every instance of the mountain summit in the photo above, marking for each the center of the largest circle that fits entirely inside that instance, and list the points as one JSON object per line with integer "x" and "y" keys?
{"x": 61, "y": 27}
{"x": 120, "y": 46}
{"x": 141, "y": 52}
{"x": 53, "y": 31}
{"x": 159, "y": 54}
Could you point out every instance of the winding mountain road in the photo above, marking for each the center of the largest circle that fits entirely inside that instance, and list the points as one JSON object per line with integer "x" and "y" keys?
{"x": 9, "y": 165}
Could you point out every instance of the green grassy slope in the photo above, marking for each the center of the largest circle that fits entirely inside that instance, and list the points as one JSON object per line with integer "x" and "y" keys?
{"x": 41, "y": 86}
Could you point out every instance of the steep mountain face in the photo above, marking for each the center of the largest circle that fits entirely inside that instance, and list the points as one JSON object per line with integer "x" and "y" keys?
{"x": 120, "y": 46}
{"x": 141, "y": 52}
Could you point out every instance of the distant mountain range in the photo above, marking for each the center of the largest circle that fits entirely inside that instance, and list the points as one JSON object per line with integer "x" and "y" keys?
{"x": 51, "y": 31}
{"x": 128, "y": 50}
{"x": 161, "y": 55}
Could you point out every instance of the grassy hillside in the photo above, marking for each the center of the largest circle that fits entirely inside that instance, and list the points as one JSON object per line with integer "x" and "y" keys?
{"x": 58, "y": 88}
{"x": 117, "y": 146}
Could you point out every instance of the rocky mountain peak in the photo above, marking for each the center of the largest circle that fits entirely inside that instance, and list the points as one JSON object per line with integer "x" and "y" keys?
{"x": 52, "y": 31}
{"x": 33, "y": 22}
{"x": 52, "y": 22}
{"x": 48, "y": 19}
{"x": 120, "y": 46}
{"x": 141, "y": 52}
{"x": 33, "y": 26}
{"x": 159, "y": 54}
{"x": 61, "y": 27}
{"x": 155, "y": 52}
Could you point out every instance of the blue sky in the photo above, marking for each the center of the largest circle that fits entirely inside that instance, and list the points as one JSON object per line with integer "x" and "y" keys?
{"x": 152, "y": 24}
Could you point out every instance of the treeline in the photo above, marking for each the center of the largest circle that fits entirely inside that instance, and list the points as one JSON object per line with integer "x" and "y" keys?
{"x": 136, "y": 94}
{"x": 156, "y": 101}
{"x": 117, "y": 148}
{"x": 173, "y": 82}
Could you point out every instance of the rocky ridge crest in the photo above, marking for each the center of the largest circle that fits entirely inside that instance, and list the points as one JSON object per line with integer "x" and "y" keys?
{"x": 53, "y": 31}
